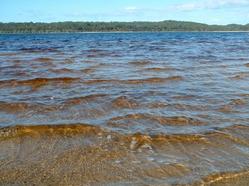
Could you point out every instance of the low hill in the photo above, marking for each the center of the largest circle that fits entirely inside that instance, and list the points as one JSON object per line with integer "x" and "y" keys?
{"x": 31, "y": 27}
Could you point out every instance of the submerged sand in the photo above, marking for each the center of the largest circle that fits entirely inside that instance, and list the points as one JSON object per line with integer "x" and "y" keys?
{"x": 87, "y": 155}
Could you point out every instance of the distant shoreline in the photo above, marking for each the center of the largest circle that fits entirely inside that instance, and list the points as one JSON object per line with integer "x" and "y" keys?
{"x": 123, "y": 32}
{"x": 117, "y": 27}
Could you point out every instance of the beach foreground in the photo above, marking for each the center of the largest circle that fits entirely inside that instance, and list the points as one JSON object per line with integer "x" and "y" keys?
{"x": 88, "y": 155}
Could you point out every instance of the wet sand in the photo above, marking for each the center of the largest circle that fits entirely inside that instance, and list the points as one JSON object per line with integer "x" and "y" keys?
{"x": 86, "y": 155}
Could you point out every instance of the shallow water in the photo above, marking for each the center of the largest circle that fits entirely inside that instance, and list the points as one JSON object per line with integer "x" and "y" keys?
{"x": 124, "y": 109}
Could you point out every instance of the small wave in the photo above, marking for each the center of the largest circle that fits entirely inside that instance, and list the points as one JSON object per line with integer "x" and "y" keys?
{"x": 72, "y": 71}
{"x": 68, "y": 61}
{"x": 138, "y": 140}
{"x": 140, "y": 63}
{"x": 100, "y": 54}
{"x": 186, "y": 97}
{"x": 100, "y": 81}
{"x": 136, "y": 81}
{"x": 228, "y": 108}
{"x": 226, "y": 179}
{"x": 64, "y": 70}
{"x": 187, "y": 107}
{"x": 124, "y": 102}
{"x": 48, "y": 130}
{"x": 158, "y": 69}
{"x": 38, "y": 82}
{"x": 84, "y": 99}
{"x": 175, "y": 120}
{"x": 96, "y": 52}
{"x": 154, "y": 80}
{"x": 9, "y": 54}
{"x": 88, "y": 70}
{"x": 238, "y": 102}
{"x": 244, "y": 95}
{"x": 235, "y": 133}
{"x": 39, "y": 49}
{"x": 241, "y": 75}
{"x": 13, "y": 107}
{"x": 16, "y": 107}
{"x": 43, "y": 59}
{"x": 223, "y": 136}
{"x": 133, "y": 141}
{"x": 157, "y": 105}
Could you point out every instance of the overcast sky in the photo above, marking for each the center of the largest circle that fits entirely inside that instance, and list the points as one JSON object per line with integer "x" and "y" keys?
{"x": 205, "y": 11}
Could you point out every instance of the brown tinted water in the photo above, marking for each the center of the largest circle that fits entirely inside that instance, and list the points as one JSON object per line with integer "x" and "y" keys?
{"x": 124, "y": 109}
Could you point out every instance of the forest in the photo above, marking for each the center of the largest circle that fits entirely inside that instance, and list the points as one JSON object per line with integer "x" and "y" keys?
{"x": 30, "y": 27}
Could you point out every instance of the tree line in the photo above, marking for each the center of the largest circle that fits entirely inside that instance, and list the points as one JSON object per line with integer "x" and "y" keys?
{"x": 30, "y": 27}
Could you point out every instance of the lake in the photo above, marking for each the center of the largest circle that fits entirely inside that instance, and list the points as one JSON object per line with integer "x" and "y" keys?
{"x": 124, "y": 108}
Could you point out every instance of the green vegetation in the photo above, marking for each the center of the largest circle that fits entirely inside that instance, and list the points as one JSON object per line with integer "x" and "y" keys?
{"x": 115, "y": 27}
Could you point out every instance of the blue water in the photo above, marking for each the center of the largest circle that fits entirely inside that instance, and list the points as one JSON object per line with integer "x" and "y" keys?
{"x": 211, "y": 65}
{"x": 170, "y": 100}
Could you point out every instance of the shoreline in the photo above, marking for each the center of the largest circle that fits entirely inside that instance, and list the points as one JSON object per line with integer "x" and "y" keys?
{"x": 123, "y": 32}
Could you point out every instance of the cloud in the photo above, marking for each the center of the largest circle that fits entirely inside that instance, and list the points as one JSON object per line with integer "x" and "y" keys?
{"x": 210, "y": 4}
{"x": 131, "y": 9}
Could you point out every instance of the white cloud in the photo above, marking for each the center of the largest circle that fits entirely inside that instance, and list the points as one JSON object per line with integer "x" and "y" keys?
{"x": 131, "y": 9}
{"x": 210, "y": 4}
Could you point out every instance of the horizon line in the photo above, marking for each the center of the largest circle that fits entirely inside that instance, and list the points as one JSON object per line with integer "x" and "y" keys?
{"x": 43, "y": 22}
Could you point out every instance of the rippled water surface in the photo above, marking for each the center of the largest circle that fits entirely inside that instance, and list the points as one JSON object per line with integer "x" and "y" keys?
{"x": 124, "y": 109}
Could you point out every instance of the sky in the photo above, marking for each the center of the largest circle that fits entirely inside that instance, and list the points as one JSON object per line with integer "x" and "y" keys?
{"x": 204, "y": 11}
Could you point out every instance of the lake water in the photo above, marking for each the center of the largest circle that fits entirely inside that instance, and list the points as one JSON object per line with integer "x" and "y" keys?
{"x": 124, "y": 109}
